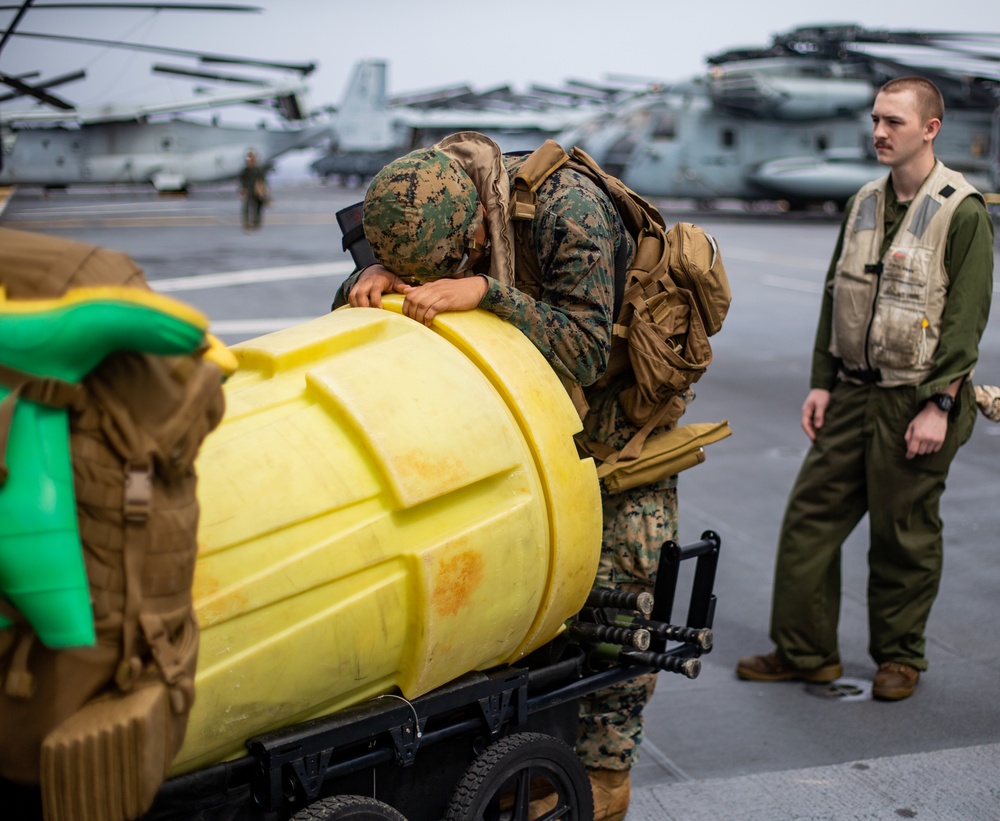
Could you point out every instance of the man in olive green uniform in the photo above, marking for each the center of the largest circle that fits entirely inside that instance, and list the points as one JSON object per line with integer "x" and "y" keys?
{"x": 906, "y": 301}
{"x": 439, "y": 219}
{"x": 253, "y": 193}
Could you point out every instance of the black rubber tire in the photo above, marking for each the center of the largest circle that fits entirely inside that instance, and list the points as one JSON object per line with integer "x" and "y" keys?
{"x": 514, "y": 767}
{"x": 348, "y": 808}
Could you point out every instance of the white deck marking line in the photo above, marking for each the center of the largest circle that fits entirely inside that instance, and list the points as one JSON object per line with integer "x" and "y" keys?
{"x": 203, "y": 282}
{"x": 792, "y": 284}
{"x": 785, "y": 260}
{"x": 256, "y": 327}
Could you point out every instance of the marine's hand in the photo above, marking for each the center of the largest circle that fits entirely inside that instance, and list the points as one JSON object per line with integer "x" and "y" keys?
{"x": 426, "y": 301}
{"x": 925, "y": 434}
{"x": 814, "y": 411}
{"x": 374, "y": 281}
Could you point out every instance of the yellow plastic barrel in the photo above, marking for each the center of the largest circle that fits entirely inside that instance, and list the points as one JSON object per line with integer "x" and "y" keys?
{"x": 385, "y": 507}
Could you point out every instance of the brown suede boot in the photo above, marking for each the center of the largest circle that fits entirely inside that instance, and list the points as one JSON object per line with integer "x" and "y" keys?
{"x": 894, "y": 681}
{"x": 775, "y": 667}
{"x": 612, "y": 790}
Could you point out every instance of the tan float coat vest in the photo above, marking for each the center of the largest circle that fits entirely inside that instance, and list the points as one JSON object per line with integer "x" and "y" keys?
{"x": 887, "y": 308}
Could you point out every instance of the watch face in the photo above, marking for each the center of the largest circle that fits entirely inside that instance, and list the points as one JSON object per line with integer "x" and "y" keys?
{"x": 943, "y": 401}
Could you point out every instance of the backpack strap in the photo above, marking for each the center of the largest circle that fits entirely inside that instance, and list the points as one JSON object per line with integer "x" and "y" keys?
{"x": 19, "y": 683}
{"x": 51, "y": 392}
{"x": 643, "y": 289}
{"x": 170, "y": 660}
{"x": 607, "y": 455}
{"x": 541, "y": 164}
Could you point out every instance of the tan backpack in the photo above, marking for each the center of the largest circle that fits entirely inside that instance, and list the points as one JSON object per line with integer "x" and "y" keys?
{"x": 98, "y": 727}
{"x": 675, "y": 295}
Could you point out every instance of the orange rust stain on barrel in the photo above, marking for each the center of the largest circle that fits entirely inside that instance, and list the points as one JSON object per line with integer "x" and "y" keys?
{"x": 457, "y": 579}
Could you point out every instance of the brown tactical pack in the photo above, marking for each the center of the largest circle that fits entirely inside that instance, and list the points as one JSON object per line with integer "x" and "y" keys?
{"x": 98, "y": 727}
{"x": 674, "y": 297}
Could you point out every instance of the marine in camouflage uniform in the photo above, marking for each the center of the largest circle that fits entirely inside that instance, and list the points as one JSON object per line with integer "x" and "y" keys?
{"x": 558, "y": 289}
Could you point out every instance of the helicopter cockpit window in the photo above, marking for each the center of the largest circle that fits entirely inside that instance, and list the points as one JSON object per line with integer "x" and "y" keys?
{"x": 638, "y": 119}
{"x": 664, "y": 125}
{"x": 980, "y": 145}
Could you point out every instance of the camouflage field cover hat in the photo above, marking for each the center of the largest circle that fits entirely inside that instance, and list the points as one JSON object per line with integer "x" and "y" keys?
{"x": 420, "y": 214}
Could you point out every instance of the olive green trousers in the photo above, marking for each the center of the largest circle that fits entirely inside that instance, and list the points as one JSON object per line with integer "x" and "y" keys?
{"x": 858, "y": 465}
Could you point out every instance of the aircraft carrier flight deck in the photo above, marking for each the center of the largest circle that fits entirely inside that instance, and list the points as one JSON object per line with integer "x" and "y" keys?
{"x": 715, "y": 748}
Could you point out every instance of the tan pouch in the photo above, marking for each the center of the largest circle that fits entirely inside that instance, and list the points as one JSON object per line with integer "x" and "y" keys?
{"x": 664, "y": 455}
{"x": 107, "y": 761}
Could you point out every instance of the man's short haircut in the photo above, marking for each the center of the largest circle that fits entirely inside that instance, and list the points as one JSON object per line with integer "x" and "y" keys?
{"x": 929, "y": 99}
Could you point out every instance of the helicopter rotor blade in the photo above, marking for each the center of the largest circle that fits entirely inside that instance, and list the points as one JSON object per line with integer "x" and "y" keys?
{"x": 305, "y": 69}
{"x": 180, "y": 71}
{"x": 21, "y": 11}
{"x": 55, "y": 81}
{"x": 142, "y": 7}
{"x": 301, "y": 68}
{"x": 37, "y": 92}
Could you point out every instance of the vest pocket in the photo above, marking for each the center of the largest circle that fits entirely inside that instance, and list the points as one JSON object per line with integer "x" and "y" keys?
{"x": 853, "y": 295}
{"x": 900, "y": 329}
{"x": 898, "y": 337}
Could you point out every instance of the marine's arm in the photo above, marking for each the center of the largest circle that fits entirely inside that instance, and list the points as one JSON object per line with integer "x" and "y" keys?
{"x": 969, "y": 262}
{"x": 364, "y": 288}
{"x": 570, "y": 322}
{"x": 824, "y": 364}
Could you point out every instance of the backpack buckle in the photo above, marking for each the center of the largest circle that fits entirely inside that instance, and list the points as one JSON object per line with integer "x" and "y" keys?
{"x": 522, "y": 204}
{"x": 138, "y": 493}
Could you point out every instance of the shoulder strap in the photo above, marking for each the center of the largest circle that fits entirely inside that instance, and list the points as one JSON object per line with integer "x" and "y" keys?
{"x": 51, "y": 392}
{"x": 536, "y": 169}
{"x": 541, "y": 164}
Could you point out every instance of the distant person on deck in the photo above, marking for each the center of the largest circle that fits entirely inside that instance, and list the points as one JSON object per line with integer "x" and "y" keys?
{"x": 253, "y": 192}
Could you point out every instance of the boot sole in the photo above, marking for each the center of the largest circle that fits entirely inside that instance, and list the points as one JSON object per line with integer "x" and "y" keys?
{"x": 824, "y": 675}
{"x": 893, "y": 695}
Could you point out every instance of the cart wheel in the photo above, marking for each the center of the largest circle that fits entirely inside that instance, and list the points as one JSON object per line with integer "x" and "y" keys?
{"x": 502, "y": 781}
{"x": 348, "y": 808}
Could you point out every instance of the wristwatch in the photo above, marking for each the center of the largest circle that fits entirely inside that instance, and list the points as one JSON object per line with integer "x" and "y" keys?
{"x": 944, "y": 401}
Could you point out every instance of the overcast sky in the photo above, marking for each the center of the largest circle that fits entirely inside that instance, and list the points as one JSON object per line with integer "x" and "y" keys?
{"x": 429, "y": 43}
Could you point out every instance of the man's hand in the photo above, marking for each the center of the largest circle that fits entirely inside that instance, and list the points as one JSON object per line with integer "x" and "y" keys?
{"x": 426, "y": 301}
{"x": 814, "y": 411}
{"x": 374, "y": 281}
{"x": 925, "y": 434}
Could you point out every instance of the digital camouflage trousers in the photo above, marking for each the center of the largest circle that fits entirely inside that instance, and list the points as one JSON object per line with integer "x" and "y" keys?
{"x": 636, "y": 525}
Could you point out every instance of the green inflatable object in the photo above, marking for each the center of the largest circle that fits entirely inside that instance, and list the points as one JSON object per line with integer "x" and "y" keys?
{"x": 42, "y": 570}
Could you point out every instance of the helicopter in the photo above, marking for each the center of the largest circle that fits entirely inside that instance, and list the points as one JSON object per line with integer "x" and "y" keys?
{"x": 65, "y": 145}
{"x": 371, "y": 129}
{"x": 790, "y": 123}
